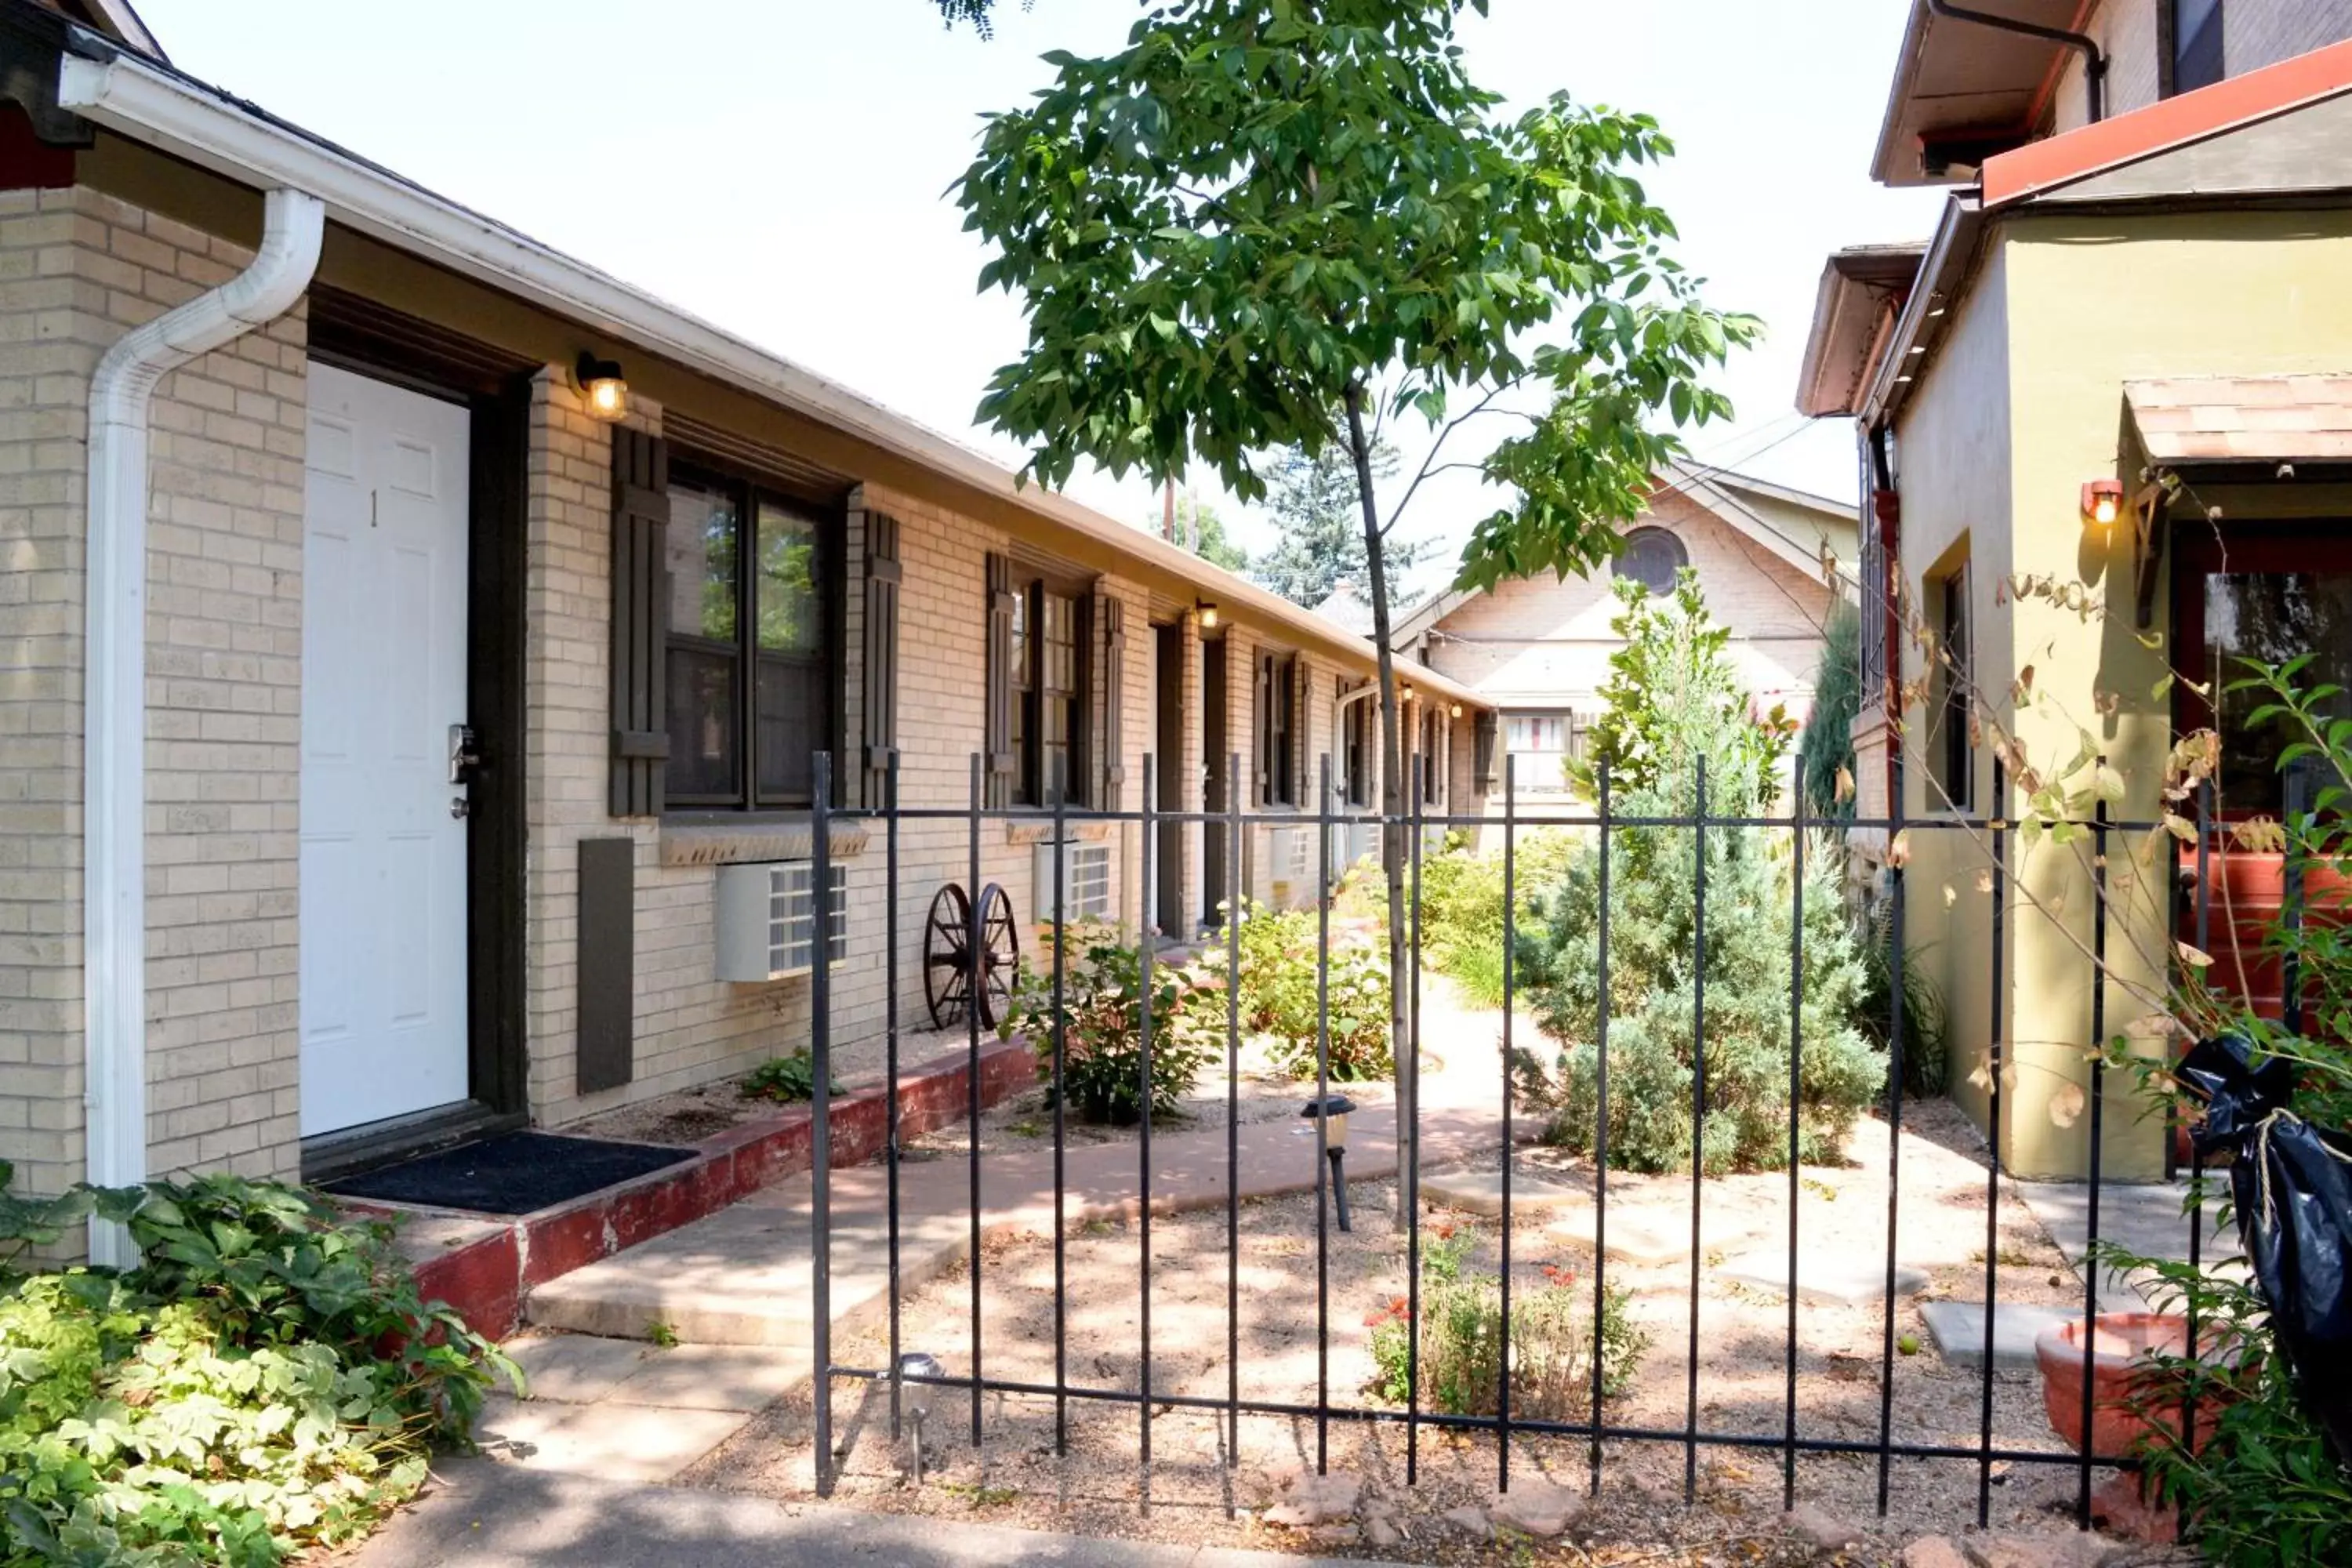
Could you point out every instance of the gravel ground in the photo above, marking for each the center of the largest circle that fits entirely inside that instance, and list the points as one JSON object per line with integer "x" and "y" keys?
{"x": 1016, "y": 1477}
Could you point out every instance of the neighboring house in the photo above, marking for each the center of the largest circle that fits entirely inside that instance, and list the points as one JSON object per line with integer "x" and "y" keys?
{"x": 2139, "y": 277}
{"x": 405, "y": 638}
{"x": 1536, "y": 650}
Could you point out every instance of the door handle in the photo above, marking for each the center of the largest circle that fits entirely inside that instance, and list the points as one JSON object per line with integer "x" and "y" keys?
{"x": 464, "y": 753}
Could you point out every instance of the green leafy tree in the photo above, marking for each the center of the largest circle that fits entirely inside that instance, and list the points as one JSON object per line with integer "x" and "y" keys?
{"x": 980, "y": 14}
{"x": 1314, "y": 504}
{"x": 1674, "y": 696}
{"x": 1201, "y": 530}
{"x": 1260, "y": 211}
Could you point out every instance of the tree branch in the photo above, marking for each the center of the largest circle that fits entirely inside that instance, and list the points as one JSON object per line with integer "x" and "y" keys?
{"x": 1428, "y": 463}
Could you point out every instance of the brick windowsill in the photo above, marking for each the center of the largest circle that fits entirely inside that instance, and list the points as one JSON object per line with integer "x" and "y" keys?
{"x": 779, "y": 835}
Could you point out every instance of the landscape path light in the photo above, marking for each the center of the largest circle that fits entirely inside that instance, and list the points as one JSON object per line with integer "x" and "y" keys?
{"x": 1332, "y": 1111}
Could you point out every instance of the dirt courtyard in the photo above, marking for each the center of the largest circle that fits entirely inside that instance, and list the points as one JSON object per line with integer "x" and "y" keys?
{"x": 1188, "y": 1492}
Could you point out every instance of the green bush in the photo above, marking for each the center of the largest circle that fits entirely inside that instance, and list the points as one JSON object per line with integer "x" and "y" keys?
{"x": 1462, "y": 905}
{"x": 1278, "y": 994}
{"x": 789, "y": 1078}
{"x": 265, "y": 1381}
{"x": 1102, "y": 1009}
{"x": 1654, "y": 966}
{"x": 1462, "y": 1342}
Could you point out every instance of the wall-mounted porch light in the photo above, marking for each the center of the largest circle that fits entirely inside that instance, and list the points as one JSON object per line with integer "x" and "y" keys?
{"x": 601, "y": 385}
{"x": 1456, "y": 712}
{"x": 2103, "y": 502}
{"x": 1207, "y": 612}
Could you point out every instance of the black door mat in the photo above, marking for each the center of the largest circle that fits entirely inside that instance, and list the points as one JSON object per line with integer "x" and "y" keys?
{"x": 513, "y": 1174}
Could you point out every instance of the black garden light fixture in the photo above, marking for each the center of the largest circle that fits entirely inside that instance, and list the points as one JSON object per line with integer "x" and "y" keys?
{"x": 1332, "y": 1111}
{"x": 601, "y": 383}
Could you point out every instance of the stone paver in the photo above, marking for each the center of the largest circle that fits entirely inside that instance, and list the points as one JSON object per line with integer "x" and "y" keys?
{"x": 1649, "y": 1239}
{"x": 575, "y": 1369}
{"x": 1824, "y": 1280}
{"x": 1958, "y": 1328}
{"x": 2148, "y": 1218}
{"x": 712, "y": 1377}
{"x": 1478, "y": 1189}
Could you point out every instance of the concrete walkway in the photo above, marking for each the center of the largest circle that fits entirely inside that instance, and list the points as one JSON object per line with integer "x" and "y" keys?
{"x": 732, "y": 1292}
{"x": 486, "y": 1515}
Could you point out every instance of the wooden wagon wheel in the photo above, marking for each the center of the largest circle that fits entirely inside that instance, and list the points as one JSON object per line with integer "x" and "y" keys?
{"x": 947, "y": 955}
{"x": 1000, "y": 945}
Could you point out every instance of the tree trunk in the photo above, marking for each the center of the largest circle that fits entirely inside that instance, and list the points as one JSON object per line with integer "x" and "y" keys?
{"x": 1392, "y": 797}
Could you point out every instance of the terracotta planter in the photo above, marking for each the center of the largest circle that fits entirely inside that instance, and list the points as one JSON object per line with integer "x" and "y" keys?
{"x": 2119, "y": 1371}
{"x": 2119, "y": 1374}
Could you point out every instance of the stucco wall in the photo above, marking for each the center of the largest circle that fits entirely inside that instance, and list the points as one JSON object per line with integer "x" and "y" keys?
{"x": 2019, "y": 407}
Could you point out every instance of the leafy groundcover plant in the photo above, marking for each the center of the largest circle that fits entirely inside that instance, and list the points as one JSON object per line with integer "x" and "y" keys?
{"x": 786, "y": 1078}
{"x": 266, "y": 1381}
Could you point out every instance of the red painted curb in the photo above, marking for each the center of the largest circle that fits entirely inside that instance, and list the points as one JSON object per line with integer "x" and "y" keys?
{"x": 484, "y": 1281}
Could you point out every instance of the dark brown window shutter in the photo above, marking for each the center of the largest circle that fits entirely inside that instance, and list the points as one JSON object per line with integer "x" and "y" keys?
{"x": 1484, "y": 754}
{"x": 1264, "y": 727}
{"x": 640, "y": 622}
{"x": 880, "y": 675}
{"x": 1110, "y": 617}
{"x": 1303, "y": 783}
{"x": 998, "y": 720}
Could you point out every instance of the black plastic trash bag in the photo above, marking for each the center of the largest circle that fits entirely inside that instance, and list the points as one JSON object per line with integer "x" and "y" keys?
{"x": 2292, "y": 1186}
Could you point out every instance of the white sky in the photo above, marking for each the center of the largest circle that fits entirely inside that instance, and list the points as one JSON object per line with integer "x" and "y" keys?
{"x": 781, "y": 166}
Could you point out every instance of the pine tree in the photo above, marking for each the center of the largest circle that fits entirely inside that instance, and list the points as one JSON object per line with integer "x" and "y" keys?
{"x": 1315, "y": 507}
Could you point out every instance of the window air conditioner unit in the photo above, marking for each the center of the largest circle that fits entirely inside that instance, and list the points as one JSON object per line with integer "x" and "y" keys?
{"x": 1290, "y": 862}
{"x": 767, "y": 920}
{"x": 1086, "y": 880}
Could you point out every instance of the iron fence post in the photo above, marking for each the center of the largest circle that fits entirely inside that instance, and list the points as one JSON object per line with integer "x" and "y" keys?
{"x": 891, "y": 1070}
{"x": 1323, "y": 1172}
{"x": 1233, "y": 794}
{"x": 1510, "y": 933}
{"x": 1412, "y": 1051}
{"x": 1698, "y": 1124}
{"x": 2098, "y": 1118}
{"x": 1997, "y": 1065}
{"x": 820, "y": 1112}
{"x": 1897, "y": 858}
{"x": 976, "y": 963}
{"x": 1061, "y": 1047}
{"x": 1796, "y": 1105}
{"x": 1601, "y": 1133}
{"x": 1143, "y": 1145}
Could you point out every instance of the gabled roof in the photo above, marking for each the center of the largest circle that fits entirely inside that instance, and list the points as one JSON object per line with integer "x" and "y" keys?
{"x": 1964, "y": 90}
{"x": 2286, "y": 127}
{"x": 1740, "y": 501}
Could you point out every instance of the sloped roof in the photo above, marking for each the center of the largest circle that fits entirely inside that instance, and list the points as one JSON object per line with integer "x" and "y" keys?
{"x": 2282, "y": 128}
{"x": 1740, "y": 502}
{"x": 2243, "y": 418}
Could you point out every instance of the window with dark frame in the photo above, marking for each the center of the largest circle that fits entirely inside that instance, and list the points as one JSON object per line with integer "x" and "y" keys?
{"x": 1433, "y": 768}
{"x": 2193, "y": 52}
{"x": 1955, "y": 757}
{"x": 1356, "y": 749}
{"x": 749, "y": 667}
{"x": 1049, "y": 730}
{"x": 1278, "y": 723}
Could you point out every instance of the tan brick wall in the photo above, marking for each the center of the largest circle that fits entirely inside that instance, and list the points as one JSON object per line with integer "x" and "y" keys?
{"x": 224, "y": 577}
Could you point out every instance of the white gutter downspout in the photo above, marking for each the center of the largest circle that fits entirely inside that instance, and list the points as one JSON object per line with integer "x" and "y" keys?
{"x": 114, "y": 711}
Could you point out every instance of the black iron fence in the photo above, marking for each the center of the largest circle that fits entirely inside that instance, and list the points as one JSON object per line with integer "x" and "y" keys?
{"x": 1994, "y": 835}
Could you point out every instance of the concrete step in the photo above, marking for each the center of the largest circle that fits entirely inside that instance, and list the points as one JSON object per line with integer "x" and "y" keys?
{"x": 742, "y": 1277}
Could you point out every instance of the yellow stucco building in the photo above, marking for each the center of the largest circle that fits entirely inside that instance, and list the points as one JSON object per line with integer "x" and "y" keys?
{"x": 2107, "y": 419}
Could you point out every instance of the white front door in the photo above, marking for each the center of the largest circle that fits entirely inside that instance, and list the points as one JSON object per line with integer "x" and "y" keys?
{"x": 383, "y": 678}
